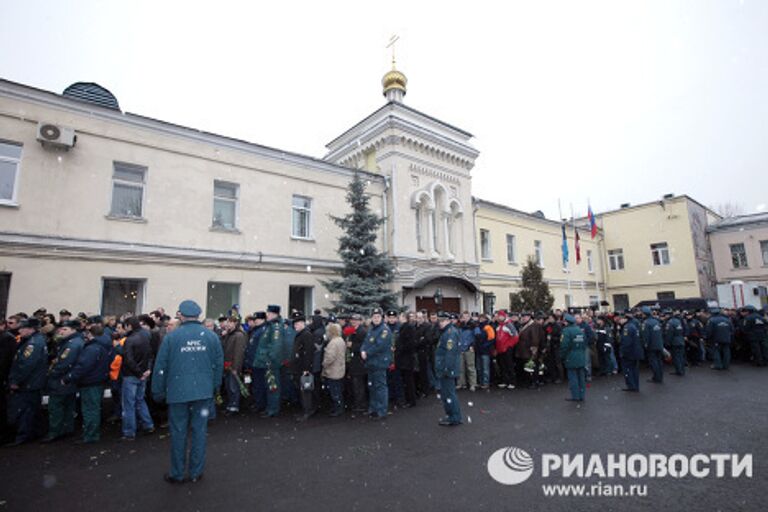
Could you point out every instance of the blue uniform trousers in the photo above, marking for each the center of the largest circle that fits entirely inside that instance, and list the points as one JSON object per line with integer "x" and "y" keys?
{"x": 577, "y": 382}
{"x": 722, "y": 355}
{"x": 188, "y": 418}
{"x": 631, "y": 373}
{"x": 23, "y": 408}
{"x": 450, "y": 400}
{"x": 678, "y": 359}
{"x": 656, "y": 363}
{"x": 378, "y": 392}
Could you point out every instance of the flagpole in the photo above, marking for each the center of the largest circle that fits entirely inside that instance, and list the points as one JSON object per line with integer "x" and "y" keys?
{"x": 569, "y": 270}
{"x": 597, "y": 282}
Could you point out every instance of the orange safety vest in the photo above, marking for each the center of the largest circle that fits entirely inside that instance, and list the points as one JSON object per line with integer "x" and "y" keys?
{"x": 117, "y": 362}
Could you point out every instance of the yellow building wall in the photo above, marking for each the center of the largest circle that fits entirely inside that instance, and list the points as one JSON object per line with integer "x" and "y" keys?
{"x": 502, "y": 277}
{"x": 634, "y": 230}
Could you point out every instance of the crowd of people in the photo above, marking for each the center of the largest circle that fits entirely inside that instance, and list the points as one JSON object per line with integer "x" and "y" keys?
{"x": 341, "y": 364}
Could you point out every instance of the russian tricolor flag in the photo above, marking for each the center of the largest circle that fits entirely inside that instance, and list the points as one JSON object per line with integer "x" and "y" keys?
{"x": 592, "y": 223}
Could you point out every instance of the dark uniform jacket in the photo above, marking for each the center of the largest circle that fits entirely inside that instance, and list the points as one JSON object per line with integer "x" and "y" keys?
{"x": 66, "y": 357}
{"x": 28, "y": 370}
{"x": 719, "y": 330}
{"x": 631, "y": 346}
{"x": 572, "y": 347}
{"x": 378, "y": 347}
{"x": 189, "y": 365}
{"x": 674, "y": 333}
{"x": 269, "y": 353}
{"x": 448, "y": 353}
{"x": 755, "y": 328}
{"x": 652, "y": 335}
{"x": 92, "y": 367}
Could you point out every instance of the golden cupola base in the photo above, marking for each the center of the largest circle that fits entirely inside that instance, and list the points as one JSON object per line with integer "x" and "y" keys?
{"x": 394, "y": 83}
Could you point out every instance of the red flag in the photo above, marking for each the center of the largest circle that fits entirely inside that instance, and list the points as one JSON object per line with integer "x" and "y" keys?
{"x": 578, "y": 245}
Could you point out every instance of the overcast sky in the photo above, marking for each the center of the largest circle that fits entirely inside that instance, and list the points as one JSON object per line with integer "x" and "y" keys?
{"x": 612, "y": 102}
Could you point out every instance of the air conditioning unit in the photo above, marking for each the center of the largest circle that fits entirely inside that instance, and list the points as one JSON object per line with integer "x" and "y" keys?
{"x": 56, "y": 136}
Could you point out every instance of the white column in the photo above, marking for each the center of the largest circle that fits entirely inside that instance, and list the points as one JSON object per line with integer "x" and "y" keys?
{"x": 431, "y": 233}
{"x": 447, "y": 229}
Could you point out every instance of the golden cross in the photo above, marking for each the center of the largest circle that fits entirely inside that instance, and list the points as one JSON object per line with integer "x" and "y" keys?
{"x": 392, "y": 41}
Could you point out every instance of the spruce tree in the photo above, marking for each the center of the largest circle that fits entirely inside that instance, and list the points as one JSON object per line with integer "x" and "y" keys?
{"x": 534, "y": 295}
{"x": 367, "y": 272}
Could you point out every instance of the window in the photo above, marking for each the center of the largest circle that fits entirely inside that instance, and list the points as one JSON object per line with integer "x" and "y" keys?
{"x": 300, "y": 299}
{"x": 5, "y": 288}
{"x": 225, "y": 205}
{"x": 302, "y": 211}
{"x": 620, "y": 302}
{"x": 511, "y": 257}
{"x": 10, "y": 160}
{"x": 616, "y": 260}
{"x": 660, "y": 253}
{"x": 538, "y": 253}
{"x": 568, "y": 300}
{"x": 419, "y": 244}
{"x": 221, "y": 297}
{"x": 665, "y": 295}
{"x": 764, "y": 251}
{"x": 594, "y": 301}
{"x": 128, "y": 190}
{"x": 738, "y": 256}
{"x": 590, "y": 265}
{"x": 485, "y": 244}
{"x": 120, "y": 296}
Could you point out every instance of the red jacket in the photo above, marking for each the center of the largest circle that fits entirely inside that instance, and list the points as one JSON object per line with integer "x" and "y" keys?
{"x": 506, "y": 337}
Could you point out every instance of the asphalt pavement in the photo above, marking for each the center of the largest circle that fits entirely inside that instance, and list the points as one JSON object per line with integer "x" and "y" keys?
{"x": 408, "y": 462}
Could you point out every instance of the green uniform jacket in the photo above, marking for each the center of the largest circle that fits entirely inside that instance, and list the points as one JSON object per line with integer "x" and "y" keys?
{"x": 66, "y": 357}
{"x": 189, "y": 365}
{"x": 269, "y": 353}
{"x": 572, "y": 347}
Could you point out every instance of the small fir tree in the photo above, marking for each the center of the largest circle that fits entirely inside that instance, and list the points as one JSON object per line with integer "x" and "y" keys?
{"x": 534, "y": 295}
{"x": 366, "y": 272}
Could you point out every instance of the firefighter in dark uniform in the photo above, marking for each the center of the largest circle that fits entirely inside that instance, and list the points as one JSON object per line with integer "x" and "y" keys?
{"x": 61, "y": 395}
{"x": 188, "y": 370}
{"x": 27, "y": 380}
{"x": 447, "y": 359}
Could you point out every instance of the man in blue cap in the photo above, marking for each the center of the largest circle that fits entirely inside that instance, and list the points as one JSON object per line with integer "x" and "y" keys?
{"x": 755, "y": 329}
{"x": 674, "y": 337}
{"x": 719, "y": 334}
{"x": 376, "y": 351}
{"x": 573, "y": 353}
{"x": 188, "y": 369}
{"x": 653, "y": 342}
{"x": 631, "y": 352}
{"x": 269, "y": 357}
{"x": 61, "y": 395}
{"x": 447, "y": 358}
{"x": 27, "y": 380}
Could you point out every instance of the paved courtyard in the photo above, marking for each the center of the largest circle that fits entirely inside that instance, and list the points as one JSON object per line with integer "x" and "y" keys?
{"x": 410, "y": 463}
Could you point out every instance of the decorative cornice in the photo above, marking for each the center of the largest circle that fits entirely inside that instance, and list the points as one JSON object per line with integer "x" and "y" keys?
{"x": 40, "y": 246}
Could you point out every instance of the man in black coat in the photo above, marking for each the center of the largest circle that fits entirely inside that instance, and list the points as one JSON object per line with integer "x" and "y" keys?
{"x": 405, "y": 358}
{"x": 356, "y": 365}
{"x": 303, "y": 360}
{"x": 423, "y": 350}
{"x": 135, "y": 370}
{"x": 7, "y": 351}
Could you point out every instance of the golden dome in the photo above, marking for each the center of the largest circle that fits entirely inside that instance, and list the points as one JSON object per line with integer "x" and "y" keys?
{"x": 394, "y": 79}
